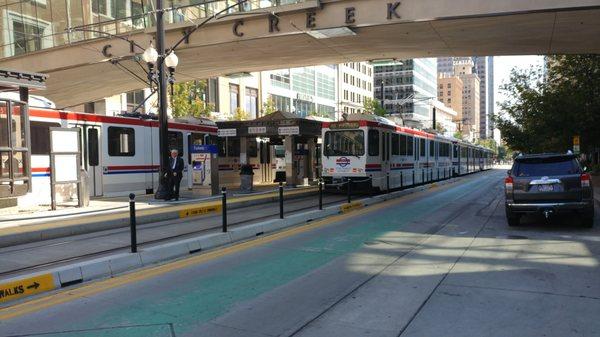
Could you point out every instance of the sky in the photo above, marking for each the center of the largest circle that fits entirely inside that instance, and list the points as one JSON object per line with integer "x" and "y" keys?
{"x": 502, "y": 67}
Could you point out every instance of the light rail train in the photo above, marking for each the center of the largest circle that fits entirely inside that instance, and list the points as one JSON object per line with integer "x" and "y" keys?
{"x": 120, "y": 154}
{"x": 373, "y": 152}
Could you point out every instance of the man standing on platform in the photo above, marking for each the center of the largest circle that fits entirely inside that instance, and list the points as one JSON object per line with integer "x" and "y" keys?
{"x": 174, "y": 174}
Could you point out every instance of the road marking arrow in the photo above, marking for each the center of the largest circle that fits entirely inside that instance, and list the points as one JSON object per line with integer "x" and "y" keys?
{"x": 35, "y": 285}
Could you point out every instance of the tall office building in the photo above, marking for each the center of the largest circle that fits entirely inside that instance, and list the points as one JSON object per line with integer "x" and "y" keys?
{"x": 469, "y": 122}
{"x": 408, "y": 86}
{"x": 483, "y": 66}
{"x": 355, "y": 84}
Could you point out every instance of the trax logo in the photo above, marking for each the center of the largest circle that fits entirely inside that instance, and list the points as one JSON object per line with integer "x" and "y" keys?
{"x": 342, "y": 162}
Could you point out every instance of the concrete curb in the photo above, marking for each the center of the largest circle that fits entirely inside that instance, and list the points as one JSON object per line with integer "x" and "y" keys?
{"x": 87, "y": 224}
{"x": 113, "y": 265}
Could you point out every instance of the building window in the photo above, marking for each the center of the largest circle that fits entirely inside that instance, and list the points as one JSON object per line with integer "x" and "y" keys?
{"x": 252, "y": 102}
{"x": 281, "y": 103}
{"x": 234, "y": 97}
{"x": 281, "y": 79}
{"x": 134, "y": 99}
{"x": 121, "y": 142}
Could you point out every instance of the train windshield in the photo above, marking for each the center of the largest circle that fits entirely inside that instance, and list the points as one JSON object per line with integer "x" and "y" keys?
{"x": 344, "y": 143}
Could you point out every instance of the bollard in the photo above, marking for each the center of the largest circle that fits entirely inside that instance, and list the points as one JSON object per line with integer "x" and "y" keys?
{"x": 320, "y": 194}
{"x": 388, "y": 182}
{"x": 413, "y": 179}
{"x": 370, "y": 186}
{"x": 438, "y": 173}
{"x": 349, "y": 189}
{"x": 280, "y": 200}
{"x": 224, "y": 208}
{"x": 132, "y": 223}
{"x": 423, "y": 175}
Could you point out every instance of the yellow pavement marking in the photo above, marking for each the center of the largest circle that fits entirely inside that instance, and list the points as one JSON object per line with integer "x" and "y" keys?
{"x": 345, "y": 208}
{"x": 67, "y": 295}
{"x": 200, "y": 210}
{"x": 11, "y": 291}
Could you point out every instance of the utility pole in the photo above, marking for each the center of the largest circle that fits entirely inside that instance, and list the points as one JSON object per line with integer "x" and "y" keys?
{"x": 163, "y": 128}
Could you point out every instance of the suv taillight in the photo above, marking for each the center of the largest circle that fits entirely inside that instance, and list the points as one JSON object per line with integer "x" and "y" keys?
{"x": 508, "y": 183}
{"x": 585, "y": 180}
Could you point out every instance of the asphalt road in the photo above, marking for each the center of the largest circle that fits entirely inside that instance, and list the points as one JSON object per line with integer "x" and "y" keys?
{"x": 437, "y": 263}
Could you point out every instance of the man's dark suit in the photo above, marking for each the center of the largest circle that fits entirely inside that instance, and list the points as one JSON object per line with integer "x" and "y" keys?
{"x": 174, "y": 177}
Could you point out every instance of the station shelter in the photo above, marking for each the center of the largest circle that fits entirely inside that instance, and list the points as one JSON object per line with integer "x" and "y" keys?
{"x": 280, "y": 147}
{"x": 15, "y": 154}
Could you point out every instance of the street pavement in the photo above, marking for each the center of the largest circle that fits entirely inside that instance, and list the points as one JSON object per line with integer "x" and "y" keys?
{"x": 442, "y": 262}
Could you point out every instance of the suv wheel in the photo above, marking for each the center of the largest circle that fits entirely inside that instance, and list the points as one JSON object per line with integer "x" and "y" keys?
{"x": 587, "y": 219}
{"x": 512, "y": 218}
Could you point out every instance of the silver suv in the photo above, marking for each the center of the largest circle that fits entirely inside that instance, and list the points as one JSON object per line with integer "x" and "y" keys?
{"x": 548, "y": 184}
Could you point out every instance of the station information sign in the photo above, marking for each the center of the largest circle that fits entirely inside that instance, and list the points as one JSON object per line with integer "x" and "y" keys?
{"x": 289, "y": 130}
{"x": 227, "y": 132}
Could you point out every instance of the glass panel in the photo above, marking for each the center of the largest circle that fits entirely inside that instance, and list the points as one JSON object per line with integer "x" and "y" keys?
{"x": 18, "y": 164}
{"x": 93, "y": 154}
{"x": 18, "y": 126}
{"x": 4, "y": 165}
{"x": 76, "y": 19}
{"x": 56, "y": 13}
{"x": 344, "y": 143}
{"x": 176, "y": 142}
{"x": 3, "y": 124}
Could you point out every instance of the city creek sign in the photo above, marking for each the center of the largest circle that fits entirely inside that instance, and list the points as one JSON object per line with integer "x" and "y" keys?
{"x": 350, "y": 13}
{"x": 311, "y": 18}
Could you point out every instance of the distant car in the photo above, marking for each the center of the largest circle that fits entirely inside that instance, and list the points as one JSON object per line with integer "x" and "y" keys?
{"x": 548, "y": 184}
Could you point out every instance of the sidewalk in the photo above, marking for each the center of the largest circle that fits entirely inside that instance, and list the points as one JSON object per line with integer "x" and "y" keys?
{"x": 110, "y": 213}
{"x": 596, "y": 184}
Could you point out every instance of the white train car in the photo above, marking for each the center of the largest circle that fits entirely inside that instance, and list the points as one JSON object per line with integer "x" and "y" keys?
{"x": 120, "y": 154}
{"x": 376, "y": 153}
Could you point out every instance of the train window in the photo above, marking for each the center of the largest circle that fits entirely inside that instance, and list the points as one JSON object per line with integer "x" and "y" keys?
{"x": 395, "y": 144}
{"x": 93, "y": 155}
{"x": 432, "y": 148}
{"x": 409, "y": 145}
{"x": 221, "y": 146}
{"x": 422, "y": 147}
{"x": 197, "y": 139}
{"x": 176, "y": 142}
{"x": 373, "y": 143}
{"x": 403, "y": 145}
{"x": 252, "y": 148}
{"x": 121, "y": 142}
{"x": 40, "y": 137}
{"x": 345, "y": 143}
{"x": 455, "y": 154}
{"x": 233, "y": 147}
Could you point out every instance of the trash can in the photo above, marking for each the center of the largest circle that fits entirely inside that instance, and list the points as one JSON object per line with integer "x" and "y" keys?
{"x": 246, "y": 178}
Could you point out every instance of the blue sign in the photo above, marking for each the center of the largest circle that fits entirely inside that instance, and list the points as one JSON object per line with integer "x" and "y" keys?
{"x": 204, "y": 149}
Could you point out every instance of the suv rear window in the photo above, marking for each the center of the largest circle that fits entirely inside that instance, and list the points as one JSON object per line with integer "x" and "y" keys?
{"x": 533, "y": 167}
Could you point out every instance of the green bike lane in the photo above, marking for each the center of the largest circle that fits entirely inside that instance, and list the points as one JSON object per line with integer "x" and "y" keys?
{"x": 315, "y": 267}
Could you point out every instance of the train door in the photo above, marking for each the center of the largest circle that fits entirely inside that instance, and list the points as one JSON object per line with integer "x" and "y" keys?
{"x": 92, "y": 158}
{"x": 385, "y": 159}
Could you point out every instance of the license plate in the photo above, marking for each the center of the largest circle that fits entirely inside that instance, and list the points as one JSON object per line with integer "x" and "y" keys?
{"x": 545, "y": 188}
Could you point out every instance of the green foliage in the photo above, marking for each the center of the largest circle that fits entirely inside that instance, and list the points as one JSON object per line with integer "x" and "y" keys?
{"x": 439, "y": 127}
{"x": 458, "y": 135}
{"x": 372, "y": 106}
{"x": 240, "y": 115}
{"x": 545, "y": 110}
{"x": 187, "y": 100}
{"x": 268, "y": 107}
{"x": 488, "y": 143}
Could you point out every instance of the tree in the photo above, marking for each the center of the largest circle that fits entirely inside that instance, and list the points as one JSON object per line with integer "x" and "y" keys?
{"x": 488, "y": 144}
{"x": 240, "y": 115}
{"x": 439, "y": 127}
{"x": 546, "y": 109}
{"x": 187, "y": 100}
{"x": 269, "y": 107}
{"x": 458, "y": 135}
{"x": 372, "y": 106}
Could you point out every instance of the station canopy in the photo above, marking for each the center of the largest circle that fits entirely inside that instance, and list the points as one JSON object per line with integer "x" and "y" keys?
{"x": 276, "y": 124}
{"x": 11, "y": 80}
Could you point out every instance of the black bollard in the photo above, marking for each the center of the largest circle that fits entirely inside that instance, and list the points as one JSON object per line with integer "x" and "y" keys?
{"x": 224, "y": 208}
{"x": 320, "y": 194}
{"x": 280, "y": 200}
{"x": 132, "y": 223}
{"x": 349, "y": 189}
